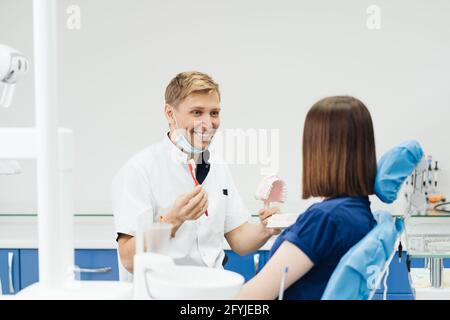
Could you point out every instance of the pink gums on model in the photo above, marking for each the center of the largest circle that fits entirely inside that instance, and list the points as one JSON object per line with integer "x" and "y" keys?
{"x": 271, "y": 189}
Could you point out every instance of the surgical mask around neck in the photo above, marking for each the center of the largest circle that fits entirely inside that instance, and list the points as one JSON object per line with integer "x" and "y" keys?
{"x": 182, "y": 142}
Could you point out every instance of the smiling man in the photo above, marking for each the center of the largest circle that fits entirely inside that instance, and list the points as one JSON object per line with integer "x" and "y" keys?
{"x": 158, "y": 179}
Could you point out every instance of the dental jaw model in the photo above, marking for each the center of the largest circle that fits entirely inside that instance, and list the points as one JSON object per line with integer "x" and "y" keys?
{"x": 273, "y": 189}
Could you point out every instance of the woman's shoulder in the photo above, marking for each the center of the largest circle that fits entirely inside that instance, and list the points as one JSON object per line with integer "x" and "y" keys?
{"x": 336, "y": 208}
{"x": 332, "y": 204}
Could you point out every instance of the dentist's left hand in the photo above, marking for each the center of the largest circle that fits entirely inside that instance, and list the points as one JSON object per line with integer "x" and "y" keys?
{"x": 264, "y": 214}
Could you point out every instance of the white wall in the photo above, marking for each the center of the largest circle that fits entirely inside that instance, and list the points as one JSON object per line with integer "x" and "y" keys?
{"x": 272, "y": 59}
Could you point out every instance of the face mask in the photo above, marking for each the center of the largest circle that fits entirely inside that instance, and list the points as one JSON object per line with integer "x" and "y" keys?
{"x": 182, "y": 142}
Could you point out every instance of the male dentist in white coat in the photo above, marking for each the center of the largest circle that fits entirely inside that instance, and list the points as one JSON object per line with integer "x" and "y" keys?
{"x": 158, "y": 179}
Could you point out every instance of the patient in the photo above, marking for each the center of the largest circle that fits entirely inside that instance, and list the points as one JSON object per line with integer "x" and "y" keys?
{"x": 339, "y": 166}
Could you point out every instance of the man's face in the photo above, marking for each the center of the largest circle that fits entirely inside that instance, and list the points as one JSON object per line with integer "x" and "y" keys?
{"x": 198, "y": 115}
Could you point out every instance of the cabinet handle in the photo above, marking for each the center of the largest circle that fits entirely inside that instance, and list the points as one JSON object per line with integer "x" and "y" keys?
{"x": 256, "y": 262}
{"x": 10, "y": 272}
{"x": 95, "y": 270}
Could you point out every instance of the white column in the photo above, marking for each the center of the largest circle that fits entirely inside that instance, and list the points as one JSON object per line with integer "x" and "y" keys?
{"x": 51, "y": 266}
{"x": 66, "y": 195}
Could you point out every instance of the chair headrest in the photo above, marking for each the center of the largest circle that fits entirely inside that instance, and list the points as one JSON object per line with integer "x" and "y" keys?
{"x": 394, "y": 167}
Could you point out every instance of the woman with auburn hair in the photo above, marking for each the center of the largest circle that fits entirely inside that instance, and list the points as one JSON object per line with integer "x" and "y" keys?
{"x": 339, "y": 166}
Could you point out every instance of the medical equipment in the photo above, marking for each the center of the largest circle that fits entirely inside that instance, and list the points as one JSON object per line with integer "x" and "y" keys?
{"x": 10, "y": 167}
{"x": 421, "y": 192}
{"x": 191, "y": 167}
{"x": 271, "y": 189}
{"x": 282, "y": 283}
{"x": 427, "y": 225}
{"x": 13, "y": 65}
{"x": 442, "y": 207}
{"x": 156, "y": 276}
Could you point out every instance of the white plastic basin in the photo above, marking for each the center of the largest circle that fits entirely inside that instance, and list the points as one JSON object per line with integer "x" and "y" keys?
{"x": 194, "y": 283}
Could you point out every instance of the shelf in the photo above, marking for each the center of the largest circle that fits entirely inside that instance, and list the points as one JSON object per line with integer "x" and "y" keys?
{"x": 75, "y": 215}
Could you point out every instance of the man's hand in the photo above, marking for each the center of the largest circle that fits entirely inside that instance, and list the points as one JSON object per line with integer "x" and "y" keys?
{"x": 264, "y": 214}
{"x": 249, "y": 237}
{"x": 188, "y": 206}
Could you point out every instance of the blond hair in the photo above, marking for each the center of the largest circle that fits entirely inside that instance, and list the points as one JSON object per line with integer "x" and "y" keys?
{"x": 186, "y": 83}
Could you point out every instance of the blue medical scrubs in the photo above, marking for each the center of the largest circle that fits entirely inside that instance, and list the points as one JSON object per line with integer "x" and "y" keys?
{"x": 325, "y": 232}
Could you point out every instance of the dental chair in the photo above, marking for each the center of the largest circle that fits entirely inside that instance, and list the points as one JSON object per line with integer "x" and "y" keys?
{"x": 361, "y": 270}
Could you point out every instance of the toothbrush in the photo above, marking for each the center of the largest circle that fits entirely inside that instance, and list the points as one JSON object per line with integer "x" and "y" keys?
{"x": 271, "y": 189}
{"x": 191, "y": 166}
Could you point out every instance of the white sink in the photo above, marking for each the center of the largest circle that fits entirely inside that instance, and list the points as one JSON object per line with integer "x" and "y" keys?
{"x": 194, "y": 283}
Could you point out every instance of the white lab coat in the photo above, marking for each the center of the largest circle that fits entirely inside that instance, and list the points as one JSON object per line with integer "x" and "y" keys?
{"x": 154, "y": 178}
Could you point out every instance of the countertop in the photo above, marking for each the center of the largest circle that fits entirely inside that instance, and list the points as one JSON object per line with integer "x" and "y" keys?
{"x": 90, "y": 232}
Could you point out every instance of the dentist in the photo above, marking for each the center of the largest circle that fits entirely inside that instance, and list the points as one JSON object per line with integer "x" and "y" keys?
{"x": 158, "y": 179}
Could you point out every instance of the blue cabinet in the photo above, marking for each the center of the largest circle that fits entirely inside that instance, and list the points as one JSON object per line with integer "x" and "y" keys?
{"x": 398, "y": 282}
{"x": 99, "y": 265}
{"x": 9, "y": 271}
{"x": 92, "y": 264}
{"x": 19, "y": 269}
{"x": 247, "y": 265}
{"x": 29, "y": 268}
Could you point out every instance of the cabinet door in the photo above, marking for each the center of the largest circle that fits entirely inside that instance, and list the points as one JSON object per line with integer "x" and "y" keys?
{"x": 29, "y": 267}
{"x": 91, "y": 264}
{"x": 96, "y": 264}
{"x": 9, "y": 271}
{"x": 398, "y": 281}
{"x": 247, "y": 265}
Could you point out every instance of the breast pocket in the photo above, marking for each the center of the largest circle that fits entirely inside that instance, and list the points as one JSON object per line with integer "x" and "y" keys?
{"x": 217, "y": 210}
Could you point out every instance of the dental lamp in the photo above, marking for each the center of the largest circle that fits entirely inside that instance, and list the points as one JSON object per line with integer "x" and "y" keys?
{"x": 13, "y": 65}
{"x": 10, "y": 167}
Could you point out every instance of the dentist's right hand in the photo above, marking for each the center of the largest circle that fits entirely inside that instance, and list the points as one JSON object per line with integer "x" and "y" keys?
{"x": 188, "y": 206}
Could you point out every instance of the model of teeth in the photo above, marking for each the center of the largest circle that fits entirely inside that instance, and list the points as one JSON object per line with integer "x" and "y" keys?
{"x": 271, "y": 189}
